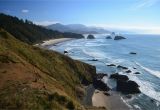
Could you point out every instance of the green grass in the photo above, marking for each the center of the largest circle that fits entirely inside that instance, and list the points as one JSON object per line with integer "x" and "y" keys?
{"x": 60, "y": 72}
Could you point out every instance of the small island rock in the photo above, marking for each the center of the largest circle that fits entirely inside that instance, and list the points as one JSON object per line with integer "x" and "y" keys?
{"x": 128, "y": 87}
{"x": 90, "y": 36}
{"x": 119, "y": 37}
{"x": 108, "y": 37}
{"x": 133, "y": 53}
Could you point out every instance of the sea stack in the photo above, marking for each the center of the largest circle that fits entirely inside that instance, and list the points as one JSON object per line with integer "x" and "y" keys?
{"x": 118, "y": 37}
{"x": 90, "y": 36}
{"x": 108, "y": 37}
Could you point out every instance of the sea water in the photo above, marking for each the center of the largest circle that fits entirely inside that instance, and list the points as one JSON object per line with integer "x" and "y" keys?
{"x": 109, "y": 51}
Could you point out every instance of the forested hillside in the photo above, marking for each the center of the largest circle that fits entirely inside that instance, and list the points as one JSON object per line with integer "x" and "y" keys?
{"x": 28, "y": 32}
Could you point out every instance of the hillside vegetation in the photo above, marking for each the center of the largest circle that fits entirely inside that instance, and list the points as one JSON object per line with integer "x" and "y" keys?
{"x": 33, "y": 78}
{"x": 28, "y": 32}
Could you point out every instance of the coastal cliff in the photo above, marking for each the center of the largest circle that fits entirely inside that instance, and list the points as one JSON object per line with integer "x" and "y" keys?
{"x": 34, "y": 78}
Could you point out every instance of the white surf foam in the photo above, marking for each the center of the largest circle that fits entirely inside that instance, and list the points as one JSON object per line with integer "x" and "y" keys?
{"x": 153, "y": 72}
{"x": 68, "y": 49}
{"x": 95, "y": 44}
{"x": 124, "y": 101}
{"x": 93, "y": 54}
{"x": 146, "y": 87}
{"x": 137, "y": 107}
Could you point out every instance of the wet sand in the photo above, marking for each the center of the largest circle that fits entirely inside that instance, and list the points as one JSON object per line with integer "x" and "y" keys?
{"x": 112, "y": 102}
{"x": 52, "y": 42}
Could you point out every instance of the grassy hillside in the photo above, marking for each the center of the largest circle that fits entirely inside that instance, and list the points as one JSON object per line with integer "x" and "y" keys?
{"x": 33, "y": 78}
{"x": 30, "y": 33}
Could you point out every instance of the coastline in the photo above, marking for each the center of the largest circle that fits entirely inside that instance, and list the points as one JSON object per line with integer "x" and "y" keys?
{"x": 94, "y": 97}
{"x": 112, "y": 102}
{"x": 53, "y": 42}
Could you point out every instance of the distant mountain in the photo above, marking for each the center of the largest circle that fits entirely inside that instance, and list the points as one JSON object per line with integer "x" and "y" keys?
{"x": 28, "y": 32}
{"x": 77, "y": 28}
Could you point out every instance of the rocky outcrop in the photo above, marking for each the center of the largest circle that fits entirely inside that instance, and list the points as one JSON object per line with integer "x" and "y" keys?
{"x": 100, "y": 85}
{"x": 119, "y": 77}
{"x": 122, "y": 67}
{"x": 111, "y": 65}
{"x": 128, "y": 71}
{"x": 133, "y": 53}
{"x": 100, "y": 75}
{"x": 93, "y": 60}
{"x": 65, "y": 52}
{"x": 85, "y": 82}
{"x": 127, "y": 87}
{"x": 119, "y": 37}
{"x": 90, "y": 36}
{"x": 108, "y": 37}
{"x": 137, "y": 73}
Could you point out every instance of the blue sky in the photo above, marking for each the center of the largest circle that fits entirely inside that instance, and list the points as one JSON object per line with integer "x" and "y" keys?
{"x": 137, "y": 15}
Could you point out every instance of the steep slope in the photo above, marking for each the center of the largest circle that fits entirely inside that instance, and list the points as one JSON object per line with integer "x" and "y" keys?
{"x": 33, "y": 78}
{"x": 28, "y": 32}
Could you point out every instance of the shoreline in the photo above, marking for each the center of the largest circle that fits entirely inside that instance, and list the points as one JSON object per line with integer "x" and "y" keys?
{"x": 94, "y": 97}
{"x": 112, "y": 102}
{"x": 53, "y": 42}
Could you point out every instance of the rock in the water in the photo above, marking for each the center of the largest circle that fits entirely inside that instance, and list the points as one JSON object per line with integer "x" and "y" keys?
{"x": 127, "y": 87}
{"x": 111, "y": 65}
{"x": 65, "y": 52}
{"x": 122, "y": 67}
{"x": 129, "y": 96}
{"x": 90, "y": 36}
{"x": 93, "y": 60}
{"x": 119, "y": 77}
{"x": 108, "y": 37}
{"x": 152, "y": 100}
{"x": 128, "y": 71}
{"x": 100, "y": 85}
{"x": 137, "y": 73}
{"x": 100, "y": 75}
{"x": 133, "y": 53}
{"x": 119, "y": 37}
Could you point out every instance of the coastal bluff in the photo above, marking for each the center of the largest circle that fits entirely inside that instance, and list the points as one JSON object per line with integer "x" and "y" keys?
{"x": 35, "y": 78}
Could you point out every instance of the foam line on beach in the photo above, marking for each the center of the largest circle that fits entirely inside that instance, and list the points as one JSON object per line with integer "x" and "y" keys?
{"x": 146, "y": 87}
{"x": 55, "y": 41}
{"x": 153, "y": 72}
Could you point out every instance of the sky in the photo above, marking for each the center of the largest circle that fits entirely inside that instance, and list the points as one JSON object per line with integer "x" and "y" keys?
{"x": 132, "y": 15}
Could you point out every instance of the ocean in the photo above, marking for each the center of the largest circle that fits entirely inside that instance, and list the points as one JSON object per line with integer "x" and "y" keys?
{"x": 109, "y": 51}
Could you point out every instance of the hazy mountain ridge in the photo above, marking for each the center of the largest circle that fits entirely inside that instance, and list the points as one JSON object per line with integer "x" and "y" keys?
{"x": 77, "y": 28}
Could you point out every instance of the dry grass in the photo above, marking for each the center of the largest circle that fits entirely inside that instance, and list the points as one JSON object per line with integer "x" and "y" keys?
{"x": 33, "y": 78}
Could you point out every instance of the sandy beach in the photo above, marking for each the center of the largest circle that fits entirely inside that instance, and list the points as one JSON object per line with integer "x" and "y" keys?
{"x": 93, "y": 97}
{"x": 112, "y": 102}
{"x": 53, "y": 42}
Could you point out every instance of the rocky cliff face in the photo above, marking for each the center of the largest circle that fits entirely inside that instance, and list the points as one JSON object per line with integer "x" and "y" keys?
{"x": 33, "y": 78}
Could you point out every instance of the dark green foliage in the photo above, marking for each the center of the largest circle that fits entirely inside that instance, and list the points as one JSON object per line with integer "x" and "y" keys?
{"x": 70, "y": 105}
{"x": 30, "y": 33}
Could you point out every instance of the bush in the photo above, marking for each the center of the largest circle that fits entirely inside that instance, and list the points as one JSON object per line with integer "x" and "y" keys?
{"x": 70, "y": 105}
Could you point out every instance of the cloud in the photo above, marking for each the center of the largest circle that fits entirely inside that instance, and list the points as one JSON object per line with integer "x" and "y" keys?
{"x": 45, "y": 23}
{"x": 24, "y": 11}
{"x": 144, "y": 4}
